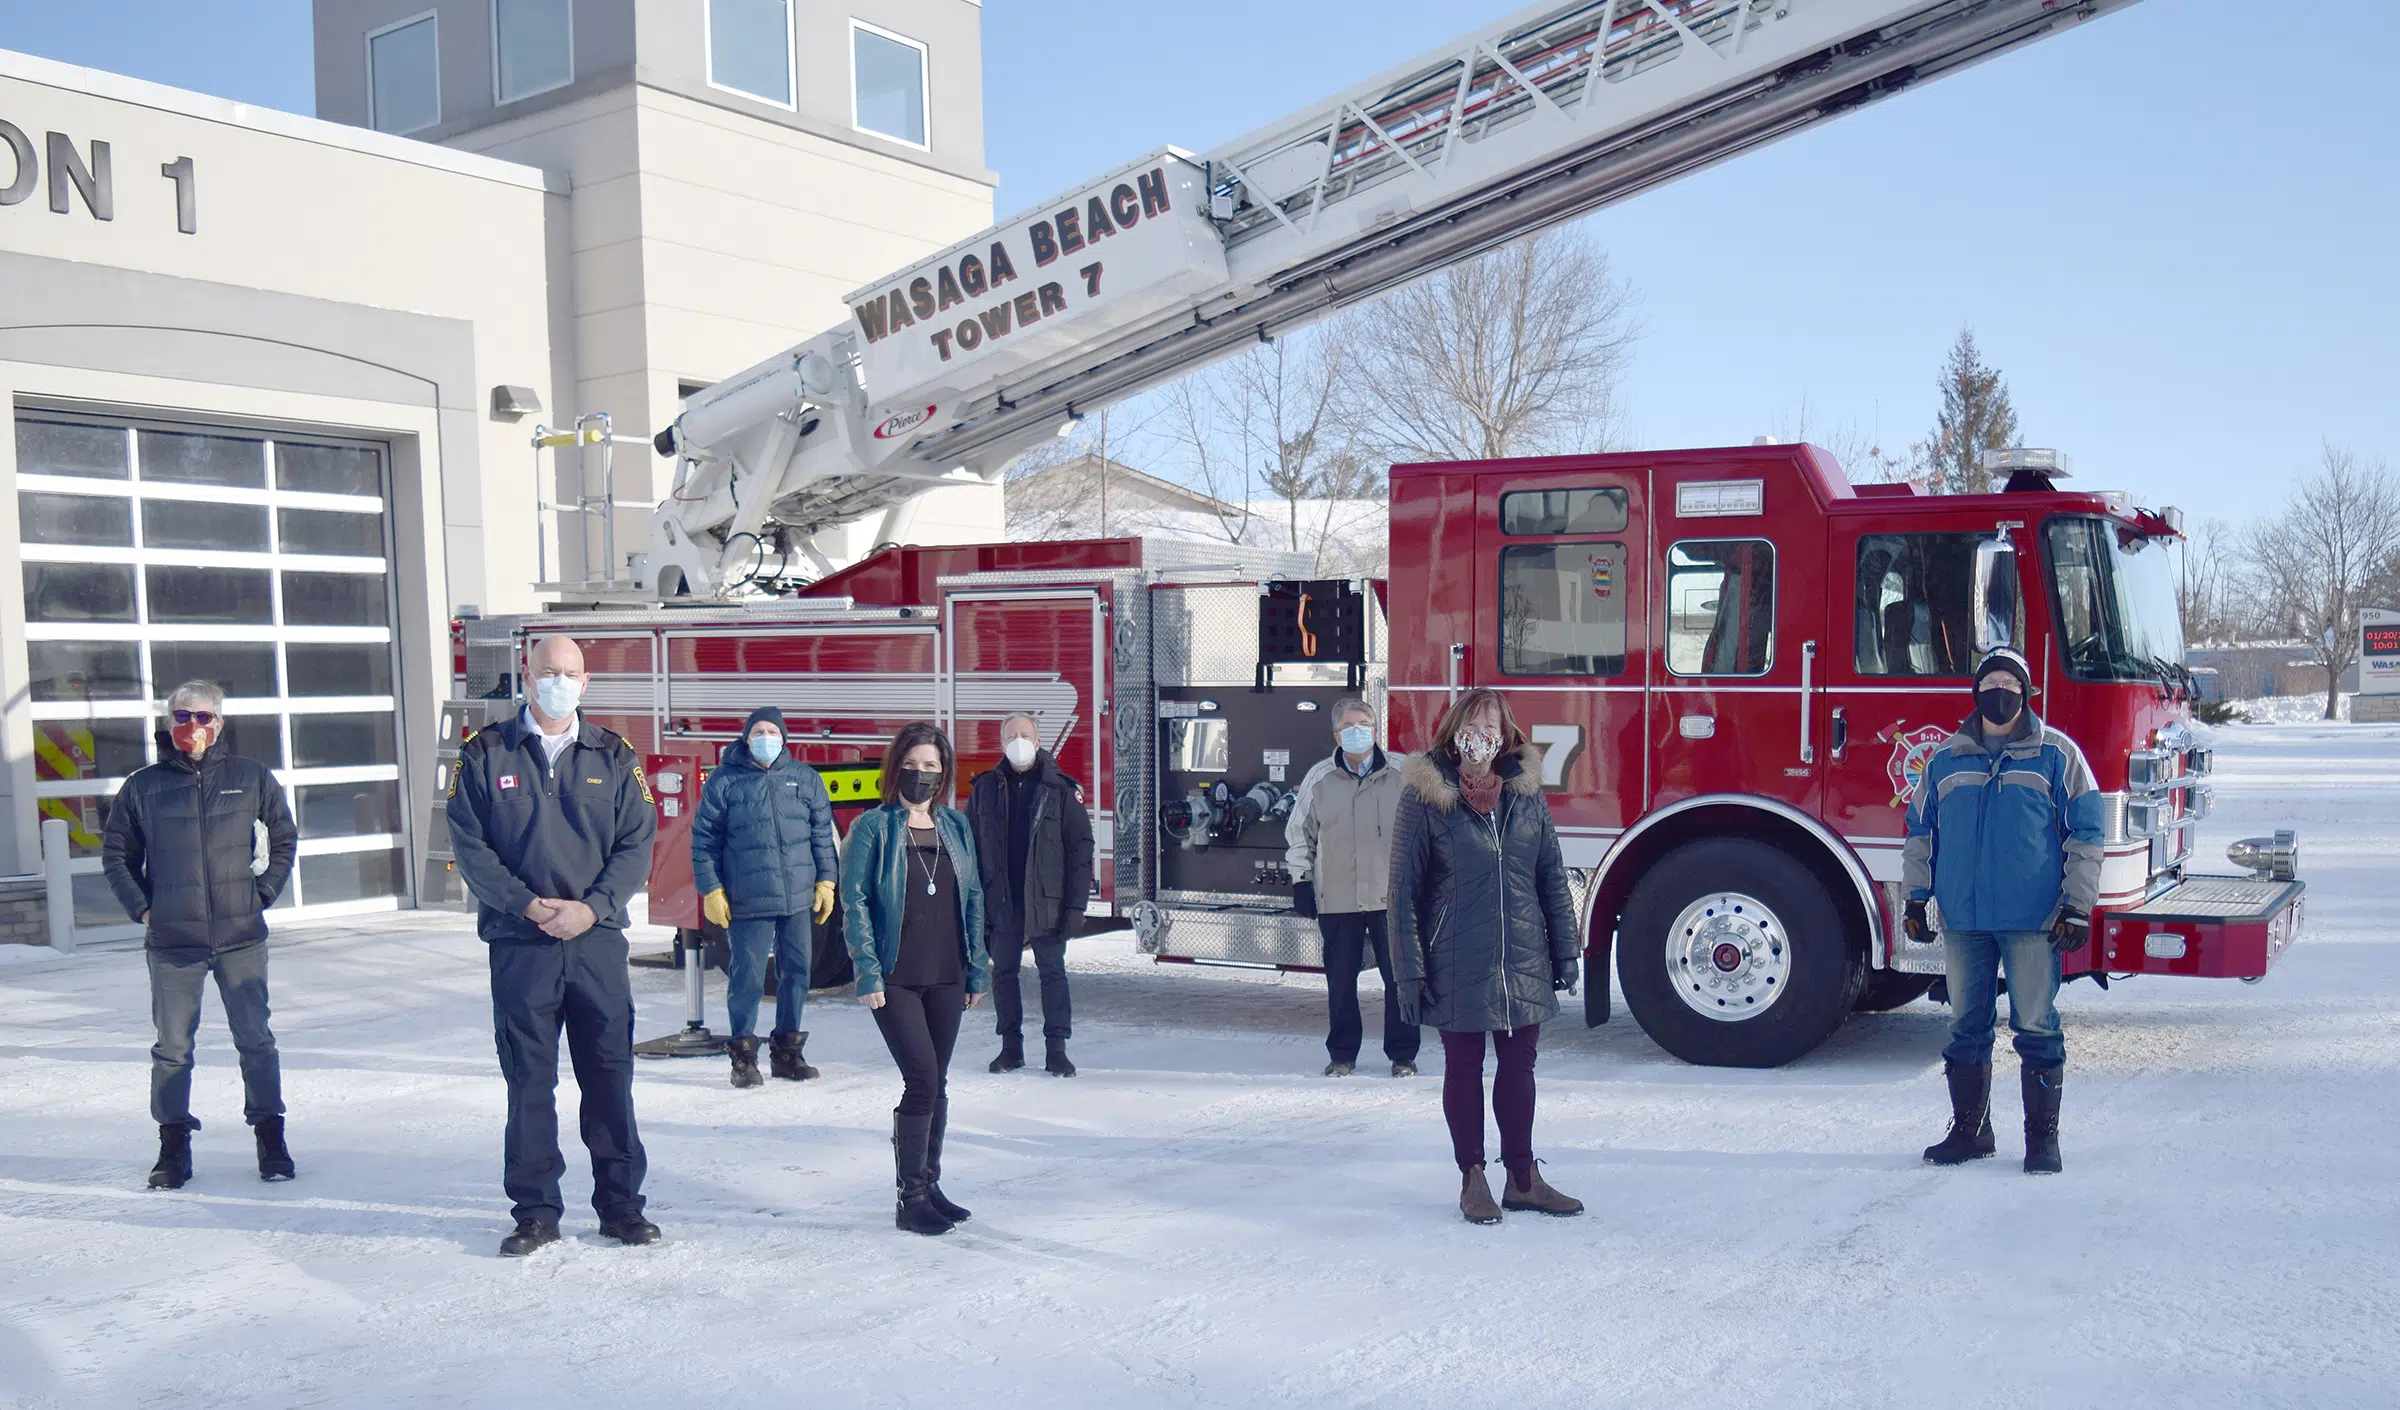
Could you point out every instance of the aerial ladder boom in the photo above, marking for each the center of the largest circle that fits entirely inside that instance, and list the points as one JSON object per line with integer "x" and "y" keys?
{"x": 950, "y": 368}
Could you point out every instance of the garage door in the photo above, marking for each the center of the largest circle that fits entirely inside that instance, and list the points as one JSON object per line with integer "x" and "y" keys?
{"x": 155, "y": 553}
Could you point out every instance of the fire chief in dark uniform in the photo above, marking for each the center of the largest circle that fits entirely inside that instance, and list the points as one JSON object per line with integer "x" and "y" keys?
{"x": 550, "y": 823}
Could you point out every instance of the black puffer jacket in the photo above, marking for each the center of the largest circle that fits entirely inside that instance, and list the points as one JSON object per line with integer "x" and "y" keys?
{"x": 1482, "y": 922}
{"x": 179, "y": 847}
{"x": 1047, "y": 901}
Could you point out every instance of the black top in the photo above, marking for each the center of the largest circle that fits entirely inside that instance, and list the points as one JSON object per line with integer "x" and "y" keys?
{"x": 930, "y": 944}
{"x": 520, "y": 827}
{"x": 180, "y": 842}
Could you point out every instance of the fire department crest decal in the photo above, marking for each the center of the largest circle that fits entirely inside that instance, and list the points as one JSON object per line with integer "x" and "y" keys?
{"x": 1906, "y": 767}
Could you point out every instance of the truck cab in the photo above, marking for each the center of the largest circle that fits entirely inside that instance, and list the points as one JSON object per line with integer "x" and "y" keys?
{"x": 1736, "y": 663}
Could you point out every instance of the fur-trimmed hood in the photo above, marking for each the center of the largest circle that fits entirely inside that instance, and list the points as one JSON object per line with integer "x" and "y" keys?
{"x": 1434, "y": 779}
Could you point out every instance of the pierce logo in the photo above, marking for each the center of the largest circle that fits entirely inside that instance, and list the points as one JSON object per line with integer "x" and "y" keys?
{"x": 902, "y": 422}
{"x": 1910, "y": 751}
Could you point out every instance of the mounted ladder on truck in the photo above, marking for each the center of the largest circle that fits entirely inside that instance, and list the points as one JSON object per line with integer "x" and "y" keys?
{"x": 952, "y": 367}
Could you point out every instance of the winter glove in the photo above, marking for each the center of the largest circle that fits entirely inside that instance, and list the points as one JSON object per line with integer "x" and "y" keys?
{"x": 822, "y": 911}
{"x": 1412, "y": 1002}
{"x": 716, "y": 909}
{"x": 1563, "y": 976}
{"x": 1304, "y": 899}
{"x": 2070, "y": 932}
{"x": 1914, "y": 924}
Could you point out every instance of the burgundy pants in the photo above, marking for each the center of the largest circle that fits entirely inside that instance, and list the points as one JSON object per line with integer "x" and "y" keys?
{"x": 1512, "y": 1096}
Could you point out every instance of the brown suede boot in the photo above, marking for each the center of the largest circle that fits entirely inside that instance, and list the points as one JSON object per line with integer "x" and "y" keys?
{"x": 1537, "y": 1195}
{"x": 1475, "y": 1196}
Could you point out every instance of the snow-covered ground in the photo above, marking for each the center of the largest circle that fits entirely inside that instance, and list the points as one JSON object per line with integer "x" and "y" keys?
{"x": 1200, "y": 1220}
{"x": 2288, "y": 709}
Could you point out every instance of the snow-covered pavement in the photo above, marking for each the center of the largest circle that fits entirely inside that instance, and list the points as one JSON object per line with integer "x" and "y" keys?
{"x": 1200, "y": 1220}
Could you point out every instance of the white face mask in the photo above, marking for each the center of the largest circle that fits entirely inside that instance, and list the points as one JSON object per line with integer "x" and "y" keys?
{"x": 557, "y": 695}
{"x": 1020, "y": 752}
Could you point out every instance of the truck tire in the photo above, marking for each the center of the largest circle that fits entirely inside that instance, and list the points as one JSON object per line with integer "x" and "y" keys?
{"x": 1732, "y": 954}
{"x": 1888, "y": 989}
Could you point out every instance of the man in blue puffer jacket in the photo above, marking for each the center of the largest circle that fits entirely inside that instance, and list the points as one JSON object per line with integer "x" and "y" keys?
{"x": 763, "y": 862}
{"x": 2004, "y": 831}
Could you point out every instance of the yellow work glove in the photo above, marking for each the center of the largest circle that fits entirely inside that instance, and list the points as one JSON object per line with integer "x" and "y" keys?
{"x": 718, "y": 910}
{"x": 824, "y": 906}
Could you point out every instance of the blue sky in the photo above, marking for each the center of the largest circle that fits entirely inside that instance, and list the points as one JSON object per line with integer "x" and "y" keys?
{"x": 2172, "y": 229}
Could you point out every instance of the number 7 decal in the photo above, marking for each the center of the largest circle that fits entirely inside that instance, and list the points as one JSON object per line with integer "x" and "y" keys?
{"x": 1561, "y": 744}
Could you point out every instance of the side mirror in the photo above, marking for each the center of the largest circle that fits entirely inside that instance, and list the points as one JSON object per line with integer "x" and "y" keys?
{"x": 1994, "y": 605}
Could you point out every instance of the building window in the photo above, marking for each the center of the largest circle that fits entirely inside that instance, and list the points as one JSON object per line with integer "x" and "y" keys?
{"x": 1914, "y": 612}
{"x": 750, "y": 48}
{"x": 1562, "y": 609}
{"x": 153, "y": 555}
{"x": 404, "y": 76}
{"x": 887, "y": 84}
{"x": 533, "y": 47}
{"x": 1721, "y": 607}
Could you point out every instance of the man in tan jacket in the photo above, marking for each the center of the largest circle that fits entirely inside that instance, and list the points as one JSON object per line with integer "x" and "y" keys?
{"x": 1339, "y": 854}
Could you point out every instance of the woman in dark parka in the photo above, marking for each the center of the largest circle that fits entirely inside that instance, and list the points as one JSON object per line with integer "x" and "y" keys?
{"x": 1483, "y": 934}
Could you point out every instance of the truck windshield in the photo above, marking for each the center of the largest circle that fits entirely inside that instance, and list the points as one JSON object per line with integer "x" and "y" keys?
{"x": 2117, "y": 619}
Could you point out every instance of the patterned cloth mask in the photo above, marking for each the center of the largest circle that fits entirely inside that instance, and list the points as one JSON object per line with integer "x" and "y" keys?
{"x": 1477, "y": 745}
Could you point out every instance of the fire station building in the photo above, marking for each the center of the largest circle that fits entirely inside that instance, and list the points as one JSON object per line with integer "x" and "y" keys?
{"x": 272, "y": 381}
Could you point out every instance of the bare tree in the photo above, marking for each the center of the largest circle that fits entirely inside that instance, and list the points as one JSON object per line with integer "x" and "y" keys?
{"x": 2207, "y": 594}
{"x": 1063, "y": 488}
{"x": 2311, "y": 566}
{"x": 1212, "y": 437}
{"x": 1976, "y": 416}
{"x": 1863, "y": 454}
{"x": 1517, "y": 352}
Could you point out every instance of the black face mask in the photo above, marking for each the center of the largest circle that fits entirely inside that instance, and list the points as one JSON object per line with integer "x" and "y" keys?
{"x": 917, "y": 785}
{"x": 1998, "y": 706}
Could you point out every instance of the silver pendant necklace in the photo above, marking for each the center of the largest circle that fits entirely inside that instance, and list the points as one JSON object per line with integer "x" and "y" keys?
{"x": 930, "y": 873}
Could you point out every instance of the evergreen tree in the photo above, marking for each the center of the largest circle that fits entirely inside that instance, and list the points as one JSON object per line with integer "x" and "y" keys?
{"x": 1976, "y": 416}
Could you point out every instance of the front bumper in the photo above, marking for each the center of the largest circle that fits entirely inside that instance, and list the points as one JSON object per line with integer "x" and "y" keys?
{"x": 2219, "y": 927}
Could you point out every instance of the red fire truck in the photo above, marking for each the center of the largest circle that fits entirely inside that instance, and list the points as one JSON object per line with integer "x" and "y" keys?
{"x": 1736, "y": 662}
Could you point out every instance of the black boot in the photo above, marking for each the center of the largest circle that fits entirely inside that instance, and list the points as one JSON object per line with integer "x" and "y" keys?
{"x": 274, "y": 1162}
{"x": 1012, "y": 1055}
{"x": 174, "y": 1158}
{"x": 630, "y": 1229}
{"x": 2041, "y": 1086}
{"x": 530, "y": 1235}
{"x": 784, "y": 1059}
{"x": 915, "y": 1212}
{"x": 744, "y": 1052}
{"x": 954, "y": 1212}
{"x": 1970, "y": 1135}
{"x": 1056, "y": 1063}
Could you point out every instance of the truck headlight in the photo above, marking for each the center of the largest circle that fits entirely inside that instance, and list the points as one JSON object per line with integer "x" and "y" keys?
{"x": 2274, "y": 858}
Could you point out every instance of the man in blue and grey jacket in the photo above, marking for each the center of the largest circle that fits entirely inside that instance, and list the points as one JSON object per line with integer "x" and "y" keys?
{"x": 2004, "y": 832}
{"x": 763, "y": 861}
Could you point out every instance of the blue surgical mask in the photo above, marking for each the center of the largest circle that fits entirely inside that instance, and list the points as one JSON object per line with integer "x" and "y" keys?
{"x": 1357, "y": 739}
{"x": 764, "y": 747}
{"x": 557, "y": 695}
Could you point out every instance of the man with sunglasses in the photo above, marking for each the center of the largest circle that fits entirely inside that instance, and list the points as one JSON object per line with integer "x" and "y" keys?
{"x": 198, "y": 846}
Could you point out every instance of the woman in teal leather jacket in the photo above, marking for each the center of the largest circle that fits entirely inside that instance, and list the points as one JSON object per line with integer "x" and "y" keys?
{"x": 913, "y": 917}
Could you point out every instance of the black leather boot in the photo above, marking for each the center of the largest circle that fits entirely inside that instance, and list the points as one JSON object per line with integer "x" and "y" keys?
{"x": 274, "y": 1162}
{"x": 1012, "y": 1056}
{"x": 2041, "y": 1086}
{"x": 531, "y": 1234}
{"x": 784, "y": 1059}
{"x": 954, "y": 1212}
{"x": 174, "y": 1166}
{"x": 915, "y": 1212}
{"x": 744, "y": 1052}
{"x": 1970, "y": 1135}
{"x": 1055, "y": 1060}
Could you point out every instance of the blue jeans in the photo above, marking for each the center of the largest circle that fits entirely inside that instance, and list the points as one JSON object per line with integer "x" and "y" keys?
{"x": 1975, "y": 959}
{"x": 790, "y": 938}
{"x": 176, "y": 983}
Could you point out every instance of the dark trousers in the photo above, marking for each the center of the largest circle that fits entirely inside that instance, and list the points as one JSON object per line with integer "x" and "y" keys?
{"x": 1008, "y": 999}
{"x": 579, "y": 986}
{"x": 748, "y": 943}
{"x": 1512, "y": 1096}
{"x": 176, "y": 984}
{"x": 920, "y": 1027}
{"x": 1348, "y": 937}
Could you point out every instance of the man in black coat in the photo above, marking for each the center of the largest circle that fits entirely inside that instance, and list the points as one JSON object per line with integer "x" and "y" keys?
{"x": 550, "y": 825}
{"x": 1033, "y": 842}
{"x": 198, "y": 846}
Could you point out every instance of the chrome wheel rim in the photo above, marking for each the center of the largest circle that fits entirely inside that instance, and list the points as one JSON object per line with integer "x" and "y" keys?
{"x": 1728, "y": 957}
